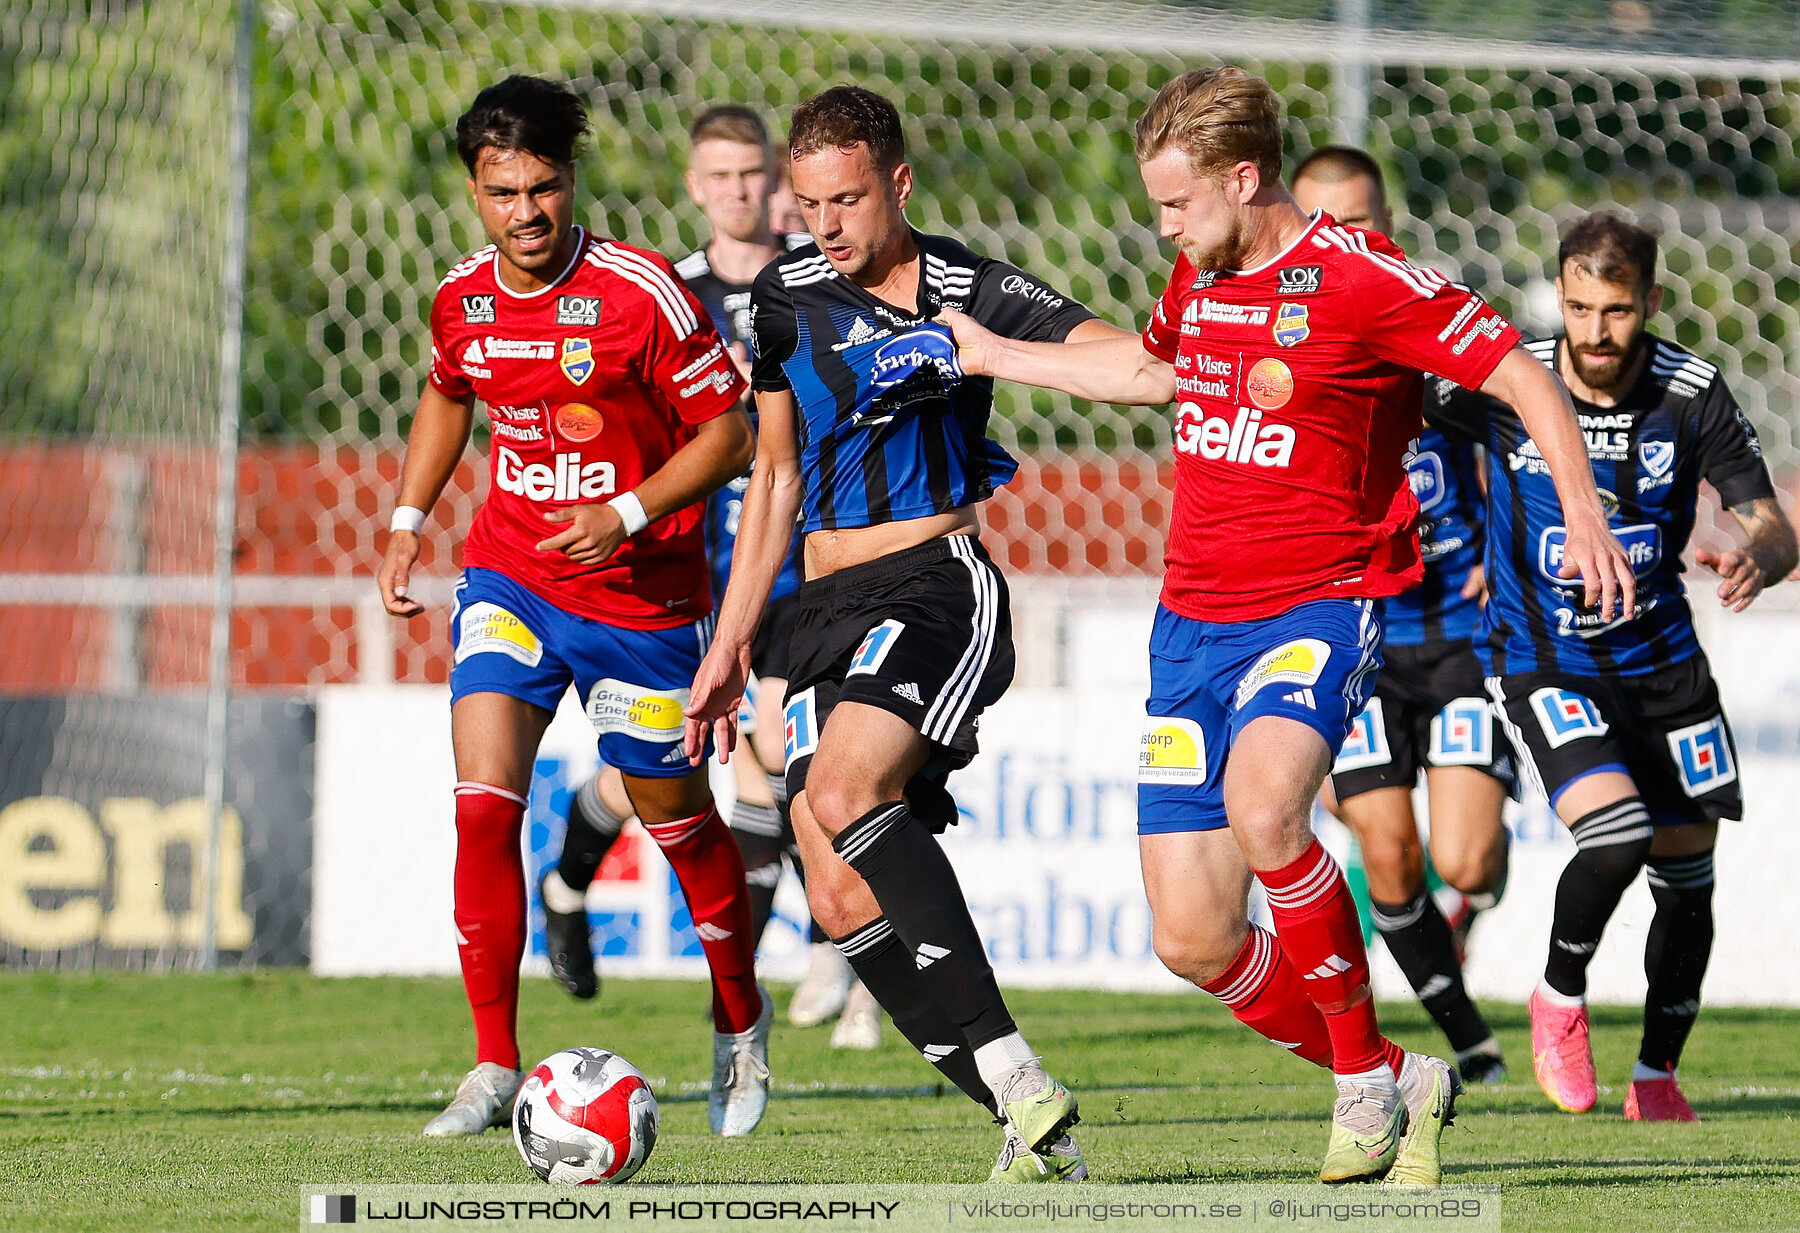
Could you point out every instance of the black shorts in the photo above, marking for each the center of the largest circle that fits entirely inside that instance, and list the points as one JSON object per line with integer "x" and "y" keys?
{"x": 925, "y": 634}
{"x": 1665, "y": 729}
{"x": 770, "y": 651}
{"x": 1429, "y": 709}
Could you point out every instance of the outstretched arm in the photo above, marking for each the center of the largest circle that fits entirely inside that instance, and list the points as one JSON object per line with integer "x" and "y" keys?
{"x": 1766, "y": 558}
{"x": 765, "y": 536}
{"x": 1100, "y": 362}
{"x": 440, "y": 432}
{"x": 1590, "y": 550}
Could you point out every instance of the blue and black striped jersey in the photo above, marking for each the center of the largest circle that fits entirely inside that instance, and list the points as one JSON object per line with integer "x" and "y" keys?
{"x": 728, "y": 304}
{"x": 1677, "y": 426}
{"x": 1445, "y": 482}
{"x": 889, "y": 427}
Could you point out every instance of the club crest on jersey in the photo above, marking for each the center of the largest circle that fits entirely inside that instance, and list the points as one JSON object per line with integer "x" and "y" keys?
{"x": 1703, "y": 755}
{"x": 1462, "y": 734}
{"x": 577, "y": 359}
{"x": 1657, "y": 457}
{"x": 1425, "y": 472}
{"x": 578, "y": 310}
{"x": 1367, "y": 743}
{"x": 1566, "y": 716}
{"x": 478, "y": 309}
{"x": 1172, "y": 750}
{"x": 1299, "y": 279}
{"x": 1291, "y": 328}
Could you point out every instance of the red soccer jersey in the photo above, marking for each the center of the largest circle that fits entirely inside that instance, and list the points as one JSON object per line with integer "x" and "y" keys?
{"x": 590, "y": 384}
{"x": 1298, "y": 385}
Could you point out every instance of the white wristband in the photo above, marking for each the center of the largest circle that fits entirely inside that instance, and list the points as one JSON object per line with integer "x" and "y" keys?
{"x": 631, "y": 512}
{"x": 407, "y": 518}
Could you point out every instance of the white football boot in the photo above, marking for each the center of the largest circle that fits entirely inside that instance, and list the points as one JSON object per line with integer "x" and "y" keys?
{"x": 484, "y": 1098}
{"x": 859, "y": 1027}
{"x": 740, "y": 1078}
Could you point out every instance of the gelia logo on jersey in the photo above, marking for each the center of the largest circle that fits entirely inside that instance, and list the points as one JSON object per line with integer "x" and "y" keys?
{"x": 1244, "y": 439}
{"x": 1425, "y": 472}
{"x": 565, "y": 479}
{"x": 1643, "y": 544}
{"x": 928, "y": 348}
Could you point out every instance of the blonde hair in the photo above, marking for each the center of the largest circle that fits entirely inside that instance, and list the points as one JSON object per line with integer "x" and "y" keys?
{"x": 1219, "y": 117}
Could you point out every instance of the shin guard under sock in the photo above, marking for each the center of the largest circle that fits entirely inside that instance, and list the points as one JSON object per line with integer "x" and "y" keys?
{"x": 1676, "y": 954}
{"x": 884, "y": 965}
{"x": 1262, "y": 989}
{"x": 1316, "y": 922}
{"x": 490, "y": 914}
{"x": 706, "y": 863}
{"x": 912, "y": 880}
{"x": 1611, "y": 844}
{"x": 1418, "y": 937}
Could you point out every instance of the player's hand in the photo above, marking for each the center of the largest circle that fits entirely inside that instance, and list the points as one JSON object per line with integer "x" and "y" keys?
{"x": 594, "y": 533}
{"x": 1475, "y": 587}
{"x": 976, "y": 345}
{"x": 1594, "y": 554}
{"x": 1743, "y": 577}
{"x": 713, "y": 701}
{"x": 396, "y": 574}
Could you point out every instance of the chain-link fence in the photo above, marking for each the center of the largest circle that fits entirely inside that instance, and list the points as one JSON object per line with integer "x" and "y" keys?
{"x": 1498, "y": 123}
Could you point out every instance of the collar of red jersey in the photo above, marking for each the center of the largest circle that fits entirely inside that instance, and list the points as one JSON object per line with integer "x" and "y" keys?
{"x": 1318, "y": 216}
{"x": 581, "y": 239}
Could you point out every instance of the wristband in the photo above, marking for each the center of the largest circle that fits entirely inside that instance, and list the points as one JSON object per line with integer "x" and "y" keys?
{"x": 407, "y": 518}
{"x": 631, "y": 512}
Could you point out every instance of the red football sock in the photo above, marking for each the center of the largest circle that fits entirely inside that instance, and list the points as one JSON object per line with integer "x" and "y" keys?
{"x": 1315, "y": 919}
{"x": 711, "y": 872}
{"x": 1262, "y": 989}
{"x": 490, "y": 914}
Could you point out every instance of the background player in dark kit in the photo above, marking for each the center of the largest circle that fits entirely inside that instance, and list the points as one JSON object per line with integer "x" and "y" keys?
{"x": 1618, "y": 720}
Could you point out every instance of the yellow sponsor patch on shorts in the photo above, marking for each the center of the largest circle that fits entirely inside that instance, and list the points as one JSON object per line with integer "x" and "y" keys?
{"x": 488, "y": 627}
{"x": 1300, "y": 662}
{"x": 1172, "y": 751}
{"x": 635, "y": 710}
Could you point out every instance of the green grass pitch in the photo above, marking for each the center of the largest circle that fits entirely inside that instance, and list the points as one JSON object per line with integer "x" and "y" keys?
{"x": 189, "y": 1101}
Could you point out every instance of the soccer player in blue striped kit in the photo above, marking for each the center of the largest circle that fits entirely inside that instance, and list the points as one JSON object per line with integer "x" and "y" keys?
{"x": 871, "y": 433}
{"x": 1618, "y": 721}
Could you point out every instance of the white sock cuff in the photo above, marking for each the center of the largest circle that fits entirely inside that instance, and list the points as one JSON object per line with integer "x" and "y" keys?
{"x": 1559, "y": 999}
{"x": 559, "y": 896}
{"x": 1641, "y": 1072}
{"x": 999, "y": 1058}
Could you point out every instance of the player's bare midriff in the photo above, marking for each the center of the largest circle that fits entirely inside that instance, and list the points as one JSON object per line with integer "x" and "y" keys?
{"x": 829, "y": 551}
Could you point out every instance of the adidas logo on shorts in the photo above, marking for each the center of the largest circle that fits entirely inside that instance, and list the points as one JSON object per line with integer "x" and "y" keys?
{"x": 910, "y": 692}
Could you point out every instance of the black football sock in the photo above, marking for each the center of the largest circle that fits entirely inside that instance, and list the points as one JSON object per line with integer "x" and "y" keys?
{"x": 1418, "y": 937}
{"x": 1610, "y": 847}
{"x": 593, "y": 829}
{"x": 762, "y": 862}
{"x": 1675, "y": 954}
{"x": 917, "y": 889}
{"x": 886, "y": 968}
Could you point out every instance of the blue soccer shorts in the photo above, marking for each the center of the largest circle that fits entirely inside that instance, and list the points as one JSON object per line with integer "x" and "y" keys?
{"x": 1314, "y": 664}
{"x": 633, "y": 682}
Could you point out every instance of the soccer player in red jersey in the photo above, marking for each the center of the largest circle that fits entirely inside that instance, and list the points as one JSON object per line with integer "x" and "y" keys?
{"x": 1294, "y": 348}
{"x": 614, "y": 408}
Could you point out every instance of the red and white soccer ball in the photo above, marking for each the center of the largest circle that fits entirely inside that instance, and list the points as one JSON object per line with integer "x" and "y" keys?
{"x": 585, "y": 1117}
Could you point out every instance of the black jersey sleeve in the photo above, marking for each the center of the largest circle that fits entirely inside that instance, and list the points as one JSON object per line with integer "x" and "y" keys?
{"x": 774, "y": 330}
{"x": 1730, "y": 456}
{"x": 1460, "y": 414}
{"x": 1013, "y": 304}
